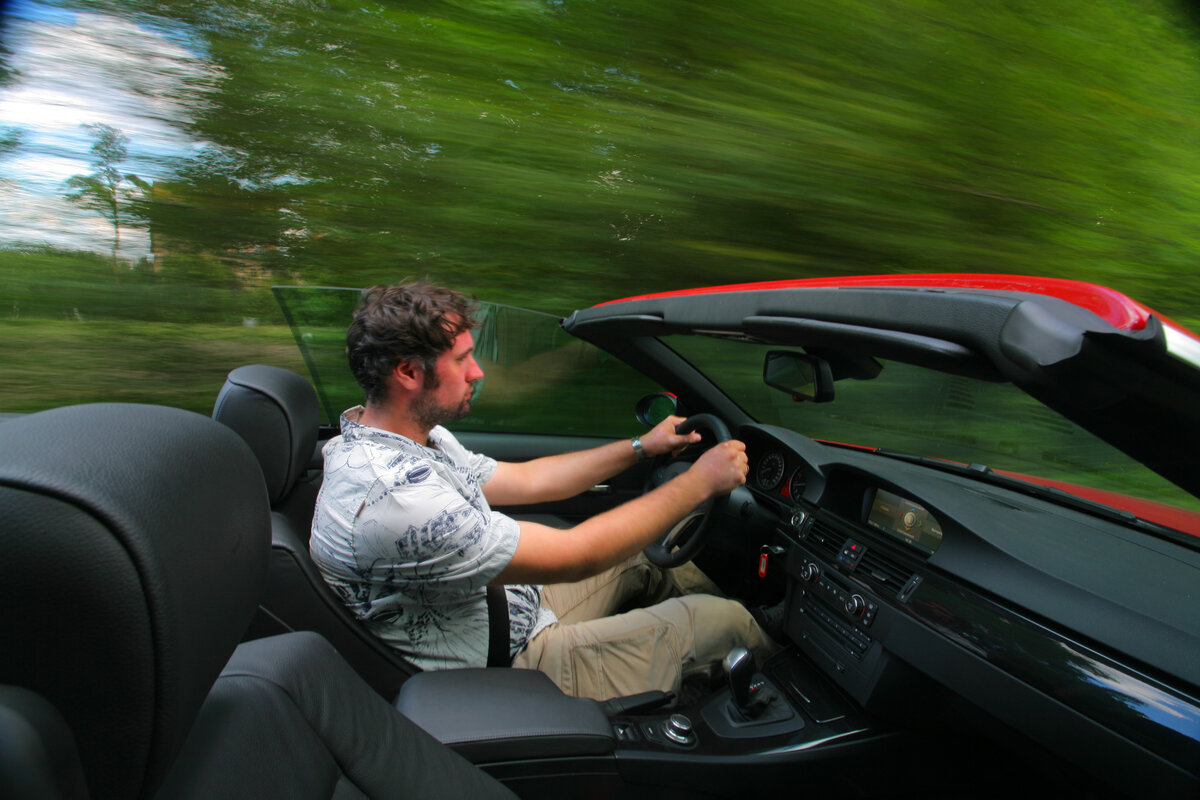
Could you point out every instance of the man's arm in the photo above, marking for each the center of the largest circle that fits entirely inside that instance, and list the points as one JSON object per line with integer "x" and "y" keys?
{"x": 559, "y": 477}
{"x": 549, "y": 555}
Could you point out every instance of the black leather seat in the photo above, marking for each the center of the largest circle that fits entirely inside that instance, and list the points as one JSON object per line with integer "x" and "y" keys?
{"x": 276, "y": 411}
{"x": 133, "y": 551}
{"x": 38, "y": 756}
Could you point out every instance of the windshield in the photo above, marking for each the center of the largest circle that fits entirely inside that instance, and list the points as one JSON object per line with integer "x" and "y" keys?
{"x": 923, "y": 412}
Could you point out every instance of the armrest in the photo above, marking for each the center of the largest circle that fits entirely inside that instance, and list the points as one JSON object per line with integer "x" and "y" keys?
{"x": 504, "y": 714}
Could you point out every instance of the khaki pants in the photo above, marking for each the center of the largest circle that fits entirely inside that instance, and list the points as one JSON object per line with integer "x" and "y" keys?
{"x": 590, "y": 652}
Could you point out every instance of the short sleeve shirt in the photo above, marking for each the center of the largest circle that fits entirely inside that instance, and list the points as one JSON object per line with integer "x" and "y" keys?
{"x": 404, "y": 535}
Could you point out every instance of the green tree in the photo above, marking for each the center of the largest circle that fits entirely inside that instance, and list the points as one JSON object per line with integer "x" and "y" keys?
{"x": 106, "y": 190}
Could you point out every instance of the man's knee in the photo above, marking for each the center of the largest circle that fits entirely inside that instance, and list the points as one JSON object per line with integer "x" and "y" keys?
{"x": 719, "y": 624}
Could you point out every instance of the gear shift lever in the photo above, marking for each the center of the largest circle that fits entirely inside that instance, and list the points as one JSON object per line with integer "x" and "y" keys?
{"x": 739, "y": 669}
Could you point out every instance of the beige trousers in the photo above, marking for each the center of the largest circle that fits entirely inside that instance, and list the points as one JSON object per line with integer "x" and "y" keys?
{"x": 590, "y": 652}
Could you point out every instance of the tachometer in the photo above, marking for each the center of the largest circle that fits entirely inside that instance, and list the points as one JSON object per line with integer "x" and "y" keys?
{"x": 769, "y": 472}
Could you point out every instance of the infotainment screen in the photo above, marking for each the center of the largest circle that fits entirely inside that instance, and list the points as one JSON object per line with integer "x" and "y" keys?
{"x": 905, "y": 519}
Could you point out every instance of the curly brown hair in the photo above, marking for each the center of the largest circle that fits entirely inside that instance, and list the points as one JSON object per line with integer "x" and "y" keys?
{"x": 404, "y": 322}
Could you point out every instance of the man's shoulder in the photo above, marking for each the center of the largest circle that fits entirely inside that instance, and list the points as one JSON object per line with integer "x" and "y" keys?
{"x": 449, "y": 444}
{"x": 367, "y": 459}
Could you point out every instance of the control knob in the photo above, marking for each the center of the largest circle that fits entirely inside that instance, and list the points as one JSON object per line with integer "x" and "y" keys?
{"x": 855, "y": 605}
{"x": 678, "y": 728}
{"x": 810, "y": 572}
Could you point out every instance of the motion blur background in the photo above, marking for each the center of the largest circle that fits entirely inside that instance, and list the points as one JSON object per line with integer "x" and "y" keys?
{"x": 164, "y": 162}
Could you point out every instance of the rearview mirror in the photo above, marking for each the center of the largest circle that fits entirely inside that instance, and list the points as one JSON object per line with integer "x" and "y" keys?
{"x": 800, "y": 375}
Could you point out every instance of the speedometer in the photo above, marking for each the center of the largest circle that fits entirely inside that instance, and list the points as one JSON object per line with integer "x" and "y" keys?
{"x": 769, "y": 472}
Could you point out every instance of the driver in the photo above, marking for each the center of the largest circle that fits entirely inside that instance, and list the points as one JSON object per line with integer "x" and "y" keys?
{"x": 405, "y": 534}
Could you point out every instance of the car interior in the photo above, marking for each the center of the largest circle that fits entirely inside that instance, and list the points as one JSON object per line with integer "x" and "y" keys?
{"x": 924, "y": 613}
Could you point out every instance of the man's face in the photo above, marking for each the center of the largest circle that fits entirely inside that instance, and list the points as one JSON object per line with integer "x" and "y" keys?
{"x": 446, "y": 396}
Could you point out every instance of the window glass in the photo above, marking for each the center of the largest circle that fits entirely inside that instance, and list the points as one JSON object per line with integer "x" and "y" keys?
{"x": 537, "y": 378}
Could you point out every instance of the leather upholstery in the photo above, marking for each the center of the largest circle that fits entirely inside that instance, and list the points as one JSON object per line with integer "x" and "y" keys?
{"x": 132, "y": 555}
{"x": 276, "y": 411}
{"x": 133, "y": 547}
{"x": 38, "y": 756}
{"x": 314, "y": 730}
{"x": 499, "y": 715}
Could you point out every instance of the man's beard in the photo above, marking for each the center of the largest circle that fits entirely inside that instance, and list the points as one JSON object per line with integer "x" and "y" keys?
{"x": 428, "y": 413}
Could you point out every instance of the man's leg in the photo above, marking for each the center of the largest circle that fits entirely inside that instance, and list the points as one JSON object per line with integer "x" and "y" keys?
{"x": 604, "y": 594}
{"x": 643, "y": 649}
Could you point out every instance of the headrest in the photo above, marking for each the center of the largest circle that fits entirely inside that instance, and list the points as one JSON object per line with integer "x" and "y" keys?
{"x": 132, "y": 553}
{"x": 277, "y": 413}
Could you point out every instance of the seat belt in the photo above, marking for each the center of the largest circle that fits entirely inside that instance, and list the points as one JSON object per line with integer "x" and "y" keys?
{"x": 498, "y": 645}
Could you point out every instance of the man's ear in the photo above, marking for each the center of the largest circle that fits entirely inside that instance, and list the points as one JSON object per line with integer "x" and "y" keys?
{"x": 410, "y": 375}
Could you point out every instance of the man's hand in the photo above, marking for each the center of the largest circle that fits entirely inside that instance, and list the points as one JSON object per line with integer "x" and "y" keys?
{"x": 546, "y": 555}
{"x": 663, "y": 439}
{"x": 723, "y": 468}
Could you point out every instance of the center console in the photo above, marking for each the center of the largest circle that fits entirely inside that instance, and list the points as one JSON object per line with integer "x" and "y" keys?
{"x": 521, "y": 728}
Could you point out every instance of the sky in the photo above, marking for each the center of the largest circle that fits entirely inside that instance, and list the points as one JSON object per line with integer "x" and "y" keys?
{"x": 145, "y": 78}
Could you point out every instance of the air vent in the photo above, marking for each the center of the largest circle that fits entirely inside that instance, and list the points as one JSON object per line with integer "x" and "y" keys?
{"x": 825, "y": 540}
{"x": 885, "y": 572}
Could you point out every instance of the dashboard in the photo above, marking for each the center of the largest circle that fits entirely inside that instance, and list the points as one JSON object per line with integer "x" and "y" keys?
{"x": 1079, "y": 632}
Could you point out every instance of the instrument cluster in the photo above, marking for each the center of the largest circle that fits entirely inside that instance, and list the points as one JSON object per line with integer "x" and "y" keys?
{"x": 774, "y": 475}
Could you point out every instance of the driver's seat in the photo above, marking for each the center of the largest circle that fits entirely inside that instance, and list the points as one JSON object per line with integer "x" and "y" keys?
{"x": 277, "y": 413}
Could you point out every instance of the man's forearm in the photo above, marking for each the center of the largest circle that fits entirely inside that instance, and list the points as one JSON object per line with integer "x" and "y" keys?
{"x": 547, "y": 555}
{"x": 562, "y": 476}
{"x": 558, "y": 477}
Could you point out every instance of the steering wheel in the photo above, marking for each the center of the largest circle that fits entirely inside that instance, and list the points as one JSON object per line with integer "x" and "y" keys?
{"x": 681, "y": 544}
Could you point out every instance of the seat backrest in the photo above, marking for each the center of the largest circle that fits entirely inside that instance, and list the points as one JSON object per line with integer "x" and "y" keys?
{"x": 133, "y": 549}
{"x": 276, "y": 411}
{"x": 132, "y": 555}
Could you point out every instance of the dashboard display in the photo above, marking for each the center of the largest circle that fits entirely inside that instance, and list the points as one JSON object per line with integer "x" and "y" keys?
{"x": 906, "y": 520}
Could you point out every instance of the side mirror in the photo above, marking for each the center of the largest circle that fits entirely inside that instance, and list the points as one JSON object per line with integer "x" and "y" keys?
{"x": 654, "y": 408}
{"x": 798, "y": 374}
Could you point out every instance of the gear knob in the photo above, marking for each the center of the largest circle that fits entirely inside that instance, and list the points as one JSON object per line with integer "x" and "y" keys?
{"x": 739, "y": 669}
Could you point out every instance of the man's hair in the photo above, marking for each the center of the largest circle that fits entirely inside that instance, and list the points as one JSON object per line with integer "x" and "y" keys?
{"x": 404, "y": 322}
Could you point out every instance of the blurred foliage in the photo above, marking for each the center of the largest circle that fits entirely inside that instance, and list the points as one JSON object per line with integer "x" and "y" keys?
{"x": 51, "y": 363}
{"x": 556, "y": 153}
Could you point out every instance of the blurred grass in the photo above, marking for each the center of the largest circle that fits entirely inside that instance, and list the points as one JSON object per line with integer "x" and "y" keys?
{"x": 49, "y": 363}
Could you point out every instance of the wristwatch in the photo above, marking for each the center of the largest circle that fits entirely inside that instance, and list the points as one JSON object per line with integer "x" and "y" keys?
{"x": 638, "y": 450}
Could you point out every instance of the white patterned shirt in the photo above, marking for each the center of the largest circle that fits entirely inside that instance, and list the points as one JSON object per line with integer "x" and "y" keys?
{"x": 407, "y": 540}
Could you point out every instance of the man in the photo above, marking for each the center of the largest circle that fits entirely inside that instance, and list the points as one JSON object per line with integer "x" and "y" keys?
{"x": 405, "y": 534}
